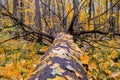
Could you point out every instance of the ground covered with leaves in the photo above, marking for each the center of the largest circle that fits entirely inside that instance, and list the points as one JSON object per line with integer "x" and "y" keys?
{"x": 18, "y": 58}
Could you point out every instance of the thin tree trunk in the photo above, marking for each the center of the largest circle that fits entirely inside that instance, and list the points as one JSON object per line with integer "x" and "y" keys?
{"x": 64, "y": 20}
{"x": 76, "y": 11}
{"x": 99, "y": 4}
{"x": 0, "y": 9}
{"x": 90, "y": 10}
{"x": 7, "y": 4}
{"x": 15, "y": 8}
{"x": 37, "y": 15}
{"x": 0, "y": 6}
{"x": 94, "y": 20}
{"x": 117, "y": 18}
{"x": 22, "y": 13}
{"x": 74, "y": 22}
{"x": 38, "y": 18}
{"x": 111, "y": 20}
{"x": 106, "y": 29}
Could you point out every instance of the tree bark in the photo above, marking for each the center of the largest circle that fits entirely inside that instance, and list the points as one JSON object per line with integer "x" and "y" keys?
{"x": 75, "y": 18}
{"x": 38, "y": 18}
{"x": 61, "y": 60}
{"x": 7, "y": 4}
{"x": 15, "y": 8}
{"x": 64, "y": 19}
{"x": 117, "y": 18}
{"x": 90, "y": 6}
{"x": 94, "y": 19}
{"x": 37, "y": 15}
{"x": 111, "y": 20}
{"x": 0, "y": 7}
{"x": 22, "y": 13}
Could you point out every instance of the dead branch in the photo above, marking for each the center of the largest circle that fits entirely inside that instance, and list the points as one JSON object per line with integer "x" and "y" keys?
{"x": 15, "y": 37}
{"x": 24, "y": 26}
{"x": 95, "y": 31}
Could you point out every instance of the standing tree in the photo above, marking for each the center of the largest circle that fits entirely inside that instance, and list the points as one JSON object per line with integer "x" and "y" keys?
{"x": 38, "y": 18}
{"x": 15, "y": 8}
{"x": 22, "y": 11}
{"x": 94, "y": 19}
{"x": 0, "y": 7}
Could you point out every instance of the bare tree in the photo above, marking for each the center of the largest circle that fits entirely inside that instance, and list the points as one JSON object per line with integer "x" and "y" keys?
{"x": 90, "y": 10}
{"x": 74, "y": 21}
{"x": 22, "y": 13}
{"x": 15, "y": 8}
{"x": 38, "y": 18}
{"x": 111, "y": 20}
{"x": 0, "y": 7}
{"x": 64, "y": 19}
{"x": 117, "y": 18}
{"x": 94, "y": 19}
{"x": 38, "y": 15}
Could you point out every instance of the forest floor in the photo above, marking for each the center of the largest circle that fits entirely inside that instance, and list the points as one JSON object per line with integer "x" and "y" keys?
{"x": 18, "y": 58}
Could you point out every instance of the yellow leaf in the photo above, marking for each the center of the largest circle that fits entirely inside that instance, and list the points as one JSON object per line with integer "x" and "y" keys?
{"x": 46, "y": 48}
{"x": 84, "y": 58}
{"x": 113, "y": 54}
{"x": 3, "y": 51}
{"x": 101, "y": 60}
{"x": 95, "y": 55}
{"x": 78, "y": 75}
{"x": 117, "y": 64}
{"x": 68, "y": 77}
{"x": 50, "y": 62}
{"x": 55, "y": 65}
{"x": 105, "y": 65}
{"x": 2, "y": 57}
{"x": 61, "y": 70}
{"x": 113, "y": 15}
{"x": 92, "y": 65}
{"x": 88, "y": 73}
{"x": 108, "y": 72}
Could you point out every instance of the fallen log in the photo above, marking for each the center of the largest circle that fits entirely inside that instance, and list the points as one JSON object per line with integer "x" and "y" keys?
{"x": 61, "y": 61}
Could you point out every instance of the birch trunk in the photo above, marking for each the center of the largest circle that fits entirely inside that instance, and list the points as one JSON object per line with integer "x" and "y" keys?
{"x": 61, "y": 61}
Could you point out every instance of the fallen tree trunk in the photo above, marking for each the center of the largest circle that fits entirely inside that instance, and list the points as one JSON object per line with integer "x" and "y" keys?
{"x": 61, "y": 61}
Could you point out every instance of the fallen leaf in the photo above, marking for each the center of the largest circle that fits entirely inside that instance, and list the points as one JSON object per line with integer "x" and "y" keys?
{"x": 49, "y": 62}
{"x": 55, "y": 65}
{"x": 108, "y": 72}
{"x": 68, "y": 77}
{"x": 84, "y": 59}
{"x": 78, "y": 75}
{"x": 113, "y": 54}
{"x": 116, "y": 74}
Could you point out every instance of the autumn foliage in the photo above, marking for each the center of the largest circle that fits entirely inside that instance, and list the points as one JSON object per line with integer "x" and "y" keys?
{"x": 28, "y": 28}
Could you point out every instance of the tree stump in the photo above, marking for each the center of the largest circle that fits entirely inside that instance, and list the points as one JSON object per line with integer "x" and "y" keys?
{"x": 61, "y": 61}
